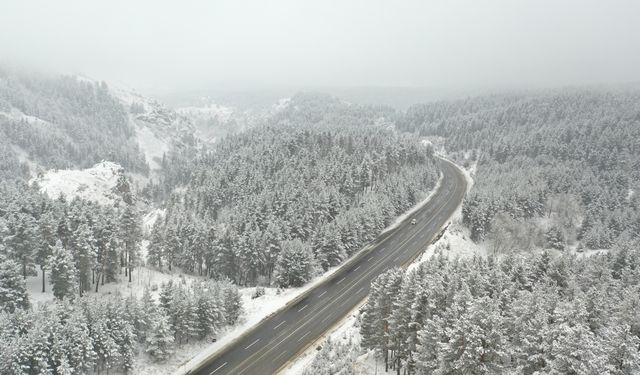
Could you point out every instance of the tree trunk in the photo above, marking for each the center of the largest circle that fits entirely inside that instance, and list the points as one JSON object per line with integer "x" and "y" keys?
{"x": 386, "y": 360}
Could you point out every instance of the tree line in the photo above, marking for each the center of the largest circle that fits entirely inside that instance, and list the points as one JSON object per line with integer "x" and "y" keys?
{"x": 91, "y": 335}
{"x": 516, "y": 314}
{"x": 62, "y": 122}
{"x": 301, "y": 193}
{"x": 554, "y": 168}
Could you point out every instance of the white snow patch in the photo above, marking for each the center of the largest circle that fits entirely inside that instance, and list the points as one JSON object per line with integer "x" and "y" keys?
{"x": 18, "y": 115}
{"x": 153, "y": 146}
{"x": 142, "y": 277}
{"x": 281, "y": 104}
{"x": 94, "y": 184}
{"x": 150, "y": 218}
{"x": 222, "y": 113}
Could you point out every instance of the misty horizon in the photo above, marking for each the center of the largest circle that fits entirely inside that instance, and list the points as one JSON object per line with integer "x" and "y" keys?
{"x": 248, "y": 46}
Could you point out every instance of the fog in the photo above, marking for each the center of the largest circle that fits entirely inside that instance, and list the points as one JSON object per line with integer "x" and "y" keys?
{"x": 162, "y": 45}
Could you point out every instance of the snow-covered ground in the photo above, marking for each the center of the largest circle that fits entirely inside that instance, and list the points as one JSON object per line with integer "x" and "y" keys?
{"x": 151, "y": 145}
{"x": 281, "y": 104}
{"x": 17, "y": 115}
{"x": 222, "y": 113}
{"x": 94, "y": 184}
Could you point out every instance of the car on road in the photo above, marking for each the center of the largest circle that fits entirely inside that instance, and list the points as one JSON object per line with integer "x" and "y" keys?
{"x": 413, "y": 221}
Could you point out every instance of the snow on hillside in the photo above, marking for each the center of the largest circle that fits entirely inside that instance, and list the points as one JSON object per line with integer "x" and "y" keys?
{"x": 220, "y": 112}
{"x": 281, "y": 104}
{"x": 17, "y": 115}
{"x": 94, "y": 184}
{"x": 151, "y": 145}
{"x": 157, "y": 127}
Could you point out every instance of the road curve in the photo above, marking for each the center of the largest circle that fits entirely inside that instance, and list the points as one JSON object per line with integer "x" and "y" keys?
{"x": 268, "y": 347}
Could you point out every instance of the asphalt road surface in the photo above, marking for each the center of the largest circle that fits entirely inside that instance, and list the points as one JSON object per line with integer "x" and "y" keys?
{"x": 269, "y": 346}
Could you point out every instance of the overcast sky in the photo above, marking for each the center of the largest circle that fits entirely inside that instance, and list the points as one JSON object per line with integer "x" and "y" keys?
{"x": 178, "y": 45}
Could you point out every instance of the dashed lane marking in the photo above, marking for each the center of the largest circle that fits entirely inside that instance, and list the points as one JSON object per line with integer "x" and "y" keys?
{"x": 252, "y": 344}
{"x": 303, "y": 336}
{"x": 219, "y": 367}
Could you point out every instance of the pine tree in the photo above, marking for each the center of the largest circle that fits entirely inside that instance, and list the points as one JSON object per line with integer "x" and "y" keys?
{"x": 64, "y": 274}
{"x": 232, "y": 304}
{"x": 47, "y": 231}
{"x": 210, "y": 311}
{"x": 85, "y": 255}
{"x": 13, "y": 291}
{"x": 21, "y": 243}
{"x": 156, "y": 250}
{"x": 295, "y": 264}
{"x": 131, "y": 234}
{"x": 160, "y": 339}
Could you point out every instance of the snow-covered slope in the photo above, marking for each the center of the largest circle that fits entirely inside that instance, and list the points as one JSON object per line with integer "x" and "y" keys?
{"x": 96, "y": 184}
{"x": 158, "y": 128}
{"x": 212, "y": 110}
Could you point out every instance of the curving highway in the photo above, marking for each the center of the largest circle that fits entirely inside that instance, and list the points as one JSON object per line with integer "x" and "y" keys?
{"x": 270, "y": 345}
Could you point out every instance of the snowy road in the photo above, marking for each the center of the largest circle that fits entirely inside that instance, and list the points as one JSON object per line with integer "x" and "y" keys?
{"x": 269, "y": 346}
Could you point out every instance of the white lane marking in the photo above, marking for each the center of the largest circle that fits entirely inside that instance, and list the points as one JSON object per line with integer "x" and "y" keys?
{"x": 369, "y": 258}
{"x": 303, "y": 336}
{"x": 278, "y": 356}
{"x": 219, "y": 367}
{"x": 303, "y": 307}
{"x": 355, "y": 269}
{"x": 360, "y": 290}
{"x": 252, "y": 344}
{"x": 325, "y": 318}
{"x": 396, "y": 258}
{"x": 341, "y": 280}
{"x": 322, "y": 294}
{"x": 279, "y": 324}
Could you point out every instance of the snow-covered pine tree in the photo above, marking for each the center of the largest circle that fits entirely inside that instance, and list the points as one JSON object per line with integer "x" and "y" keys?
{"x": 160, "y": 339}
{"x": 22, "y": 241}
{"x": 131, "y": 234}
{"x": 64, "y": 274}
{"x": 295, "y": 265}
{"x": 232, "y": 304}
{"x": 13, "y": 291}
{"x": 84, "y": 251}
